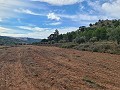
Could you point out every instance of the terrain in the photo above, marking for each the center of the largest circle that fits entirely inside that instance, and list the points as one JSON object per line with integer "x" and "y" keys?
{"x": 102, "y": 36}
{"x": 5, "y": 40}
{"x": 28, "y": 40}
{"x": 53, "y": 68}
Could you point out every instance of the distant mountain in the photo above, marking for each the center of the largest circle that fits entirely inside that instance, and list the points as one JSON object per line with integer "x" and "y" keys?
{"x": 4, "y": 40}
{"x": 9, "y": 41}
{"x": 28, "y": 40}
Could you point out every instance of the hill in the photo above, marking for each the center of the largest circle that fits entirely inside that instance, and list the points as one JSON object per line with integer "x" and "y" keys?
{"x": 106, "y": 23}
{"x": 102, "y": 36}
{"x": 101, "y": 30}
{"x": 9, "y": 41}
{"x": 28, "y": 40}
{"x": 4, "y": 40}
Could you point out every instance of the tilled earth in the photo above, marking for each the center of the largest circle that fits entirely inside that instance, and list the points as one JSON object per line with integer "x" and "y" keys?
{"x": 53, "y": 68}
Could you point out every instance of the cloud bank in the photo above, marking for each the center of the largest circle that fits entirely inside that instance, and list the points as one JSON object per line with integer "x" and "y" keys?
{"x": 7, "y": 7}
{"x": 112, "y": 9}
{"x": 60, "y": 2}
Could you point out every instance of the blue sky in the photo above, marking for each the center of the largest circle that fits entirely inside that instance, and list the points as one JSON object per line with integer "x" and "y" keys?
{"x": 39, "y": 18}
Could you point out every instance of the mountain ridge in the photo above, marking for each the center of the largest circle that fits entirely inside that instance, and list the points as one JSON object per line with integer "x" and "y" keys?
{"x": 6, "y": 40}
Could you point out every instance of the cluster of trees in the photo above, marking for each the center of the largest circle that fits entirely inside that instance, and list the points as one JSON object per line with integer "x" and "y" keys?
{"x": 101, "y": 30}
{"x": 53, "y": 38}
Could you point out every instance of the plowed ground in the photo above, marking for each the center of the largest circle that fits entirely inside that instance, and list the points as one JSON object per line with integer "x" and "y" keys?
{"x": 53, "y": 68}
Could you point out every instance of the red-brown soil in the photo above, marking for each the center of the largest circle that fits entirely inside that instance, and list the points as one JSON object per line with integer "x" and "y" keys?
{"x": 53, "y": 68}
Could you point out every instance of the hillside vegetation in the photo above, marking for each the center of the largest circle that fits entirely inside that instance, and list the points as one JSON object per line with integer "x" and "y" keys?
{"x": 9, "y": 41}
{"x": 103, "y": 36}
{"x": 16, "y": 41}
{"x": 28, "y": 40}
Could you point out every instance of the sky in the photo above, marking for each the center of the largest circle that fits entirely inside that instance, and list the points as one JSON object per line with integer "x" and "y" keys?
{"x": 40, "y": 18}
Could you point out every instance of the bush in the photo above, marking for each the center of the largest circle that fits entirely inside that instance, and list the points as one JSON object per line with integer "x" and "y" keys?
{"x": 100, "y": 47}
{"x": 79, "y": 40}
{"x": 83, "y": 47}
{"x": 52, "y": 42}
{"x": 93, "y": 39}
{"x": 68, "y": 45}
{"x": 104, "y": 47}
{"x": 62, "y": 41}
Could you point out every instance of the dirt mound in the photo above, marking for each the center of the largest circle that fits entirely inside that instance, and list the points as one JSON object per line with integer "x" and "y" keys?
{"x": 52, "y": 68}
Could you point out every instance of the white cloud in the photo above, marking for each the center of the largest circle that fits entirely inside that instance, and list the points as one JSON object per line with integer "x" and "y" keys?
{"x": 40, "y": 35}
{"x": 83, "y": 19}
{"x": 67, "y": 16}
{"x": 53, "y": 16}
{"x": 55, "y": 24}
{"x": 27, "y": 11}
{"x": 79, "y": 17}
{"x": 112, "y": 9}
{"x": 46, "y": 32}
{"x": 38, "y": 32}
{"x": 6, "y": 30}
{"x": 2, "y": 29}
{"x": 60, "y": 2}
{"x": 95, "y": 5}
{"x": 32, "y": 28}
{"x": 7, "y": 7}
{"x": 109, "y": 9}
{"x": 64, "y": 30}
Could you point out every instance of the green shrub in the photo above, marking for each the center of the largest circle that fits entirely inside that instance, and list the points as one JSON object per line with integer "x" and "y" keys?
{"x": 93, "y": 39}
{"x": 82, "y": 47}
{"x": 62, "y": 41}
{"x": 68, "y": 45}
{"x": 104, "y": 47}
{"x": 79, "y": 40}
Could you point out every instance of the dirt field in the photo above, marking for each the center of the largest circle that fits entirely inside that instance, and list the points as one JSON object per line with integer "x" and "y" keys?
{"x": 52, "y": 68}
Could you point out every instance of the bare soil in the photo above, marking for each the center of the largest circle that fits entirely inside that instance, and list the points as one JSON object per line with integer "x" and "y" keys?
{"x": 53, "y": 68}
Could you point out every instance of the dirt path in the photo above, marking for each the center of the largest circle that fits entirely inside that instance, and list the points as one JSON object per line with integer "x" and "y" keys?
{"x": 52, "y": 68}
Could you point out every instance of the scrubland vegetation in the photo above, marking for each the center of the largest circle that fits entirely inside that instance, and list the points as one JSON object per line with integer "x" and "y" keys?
{"x": 103, "y": 36}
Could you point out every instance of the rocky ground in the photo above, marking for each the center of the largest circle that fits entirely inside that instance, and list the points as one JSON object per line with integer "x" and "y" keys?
{"x": 53, "y": 68}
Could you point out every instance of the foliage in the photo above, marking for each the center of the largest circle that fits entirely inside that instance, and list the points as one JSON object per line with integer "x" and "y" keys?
{"x": 103, "y": 30}
{"x": 79, "y": 40}
{"x": 93, "y": 39}
{"x": 68, "y": 45}
{"x": 104, "y": 47}
{"x": 115, "y": 34}
{"x": 44, "y": 40}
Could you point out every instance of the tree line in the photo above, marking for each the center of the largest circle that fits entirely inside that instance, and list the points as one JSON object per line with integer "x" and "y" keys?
{"x": 102, "y": 30}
